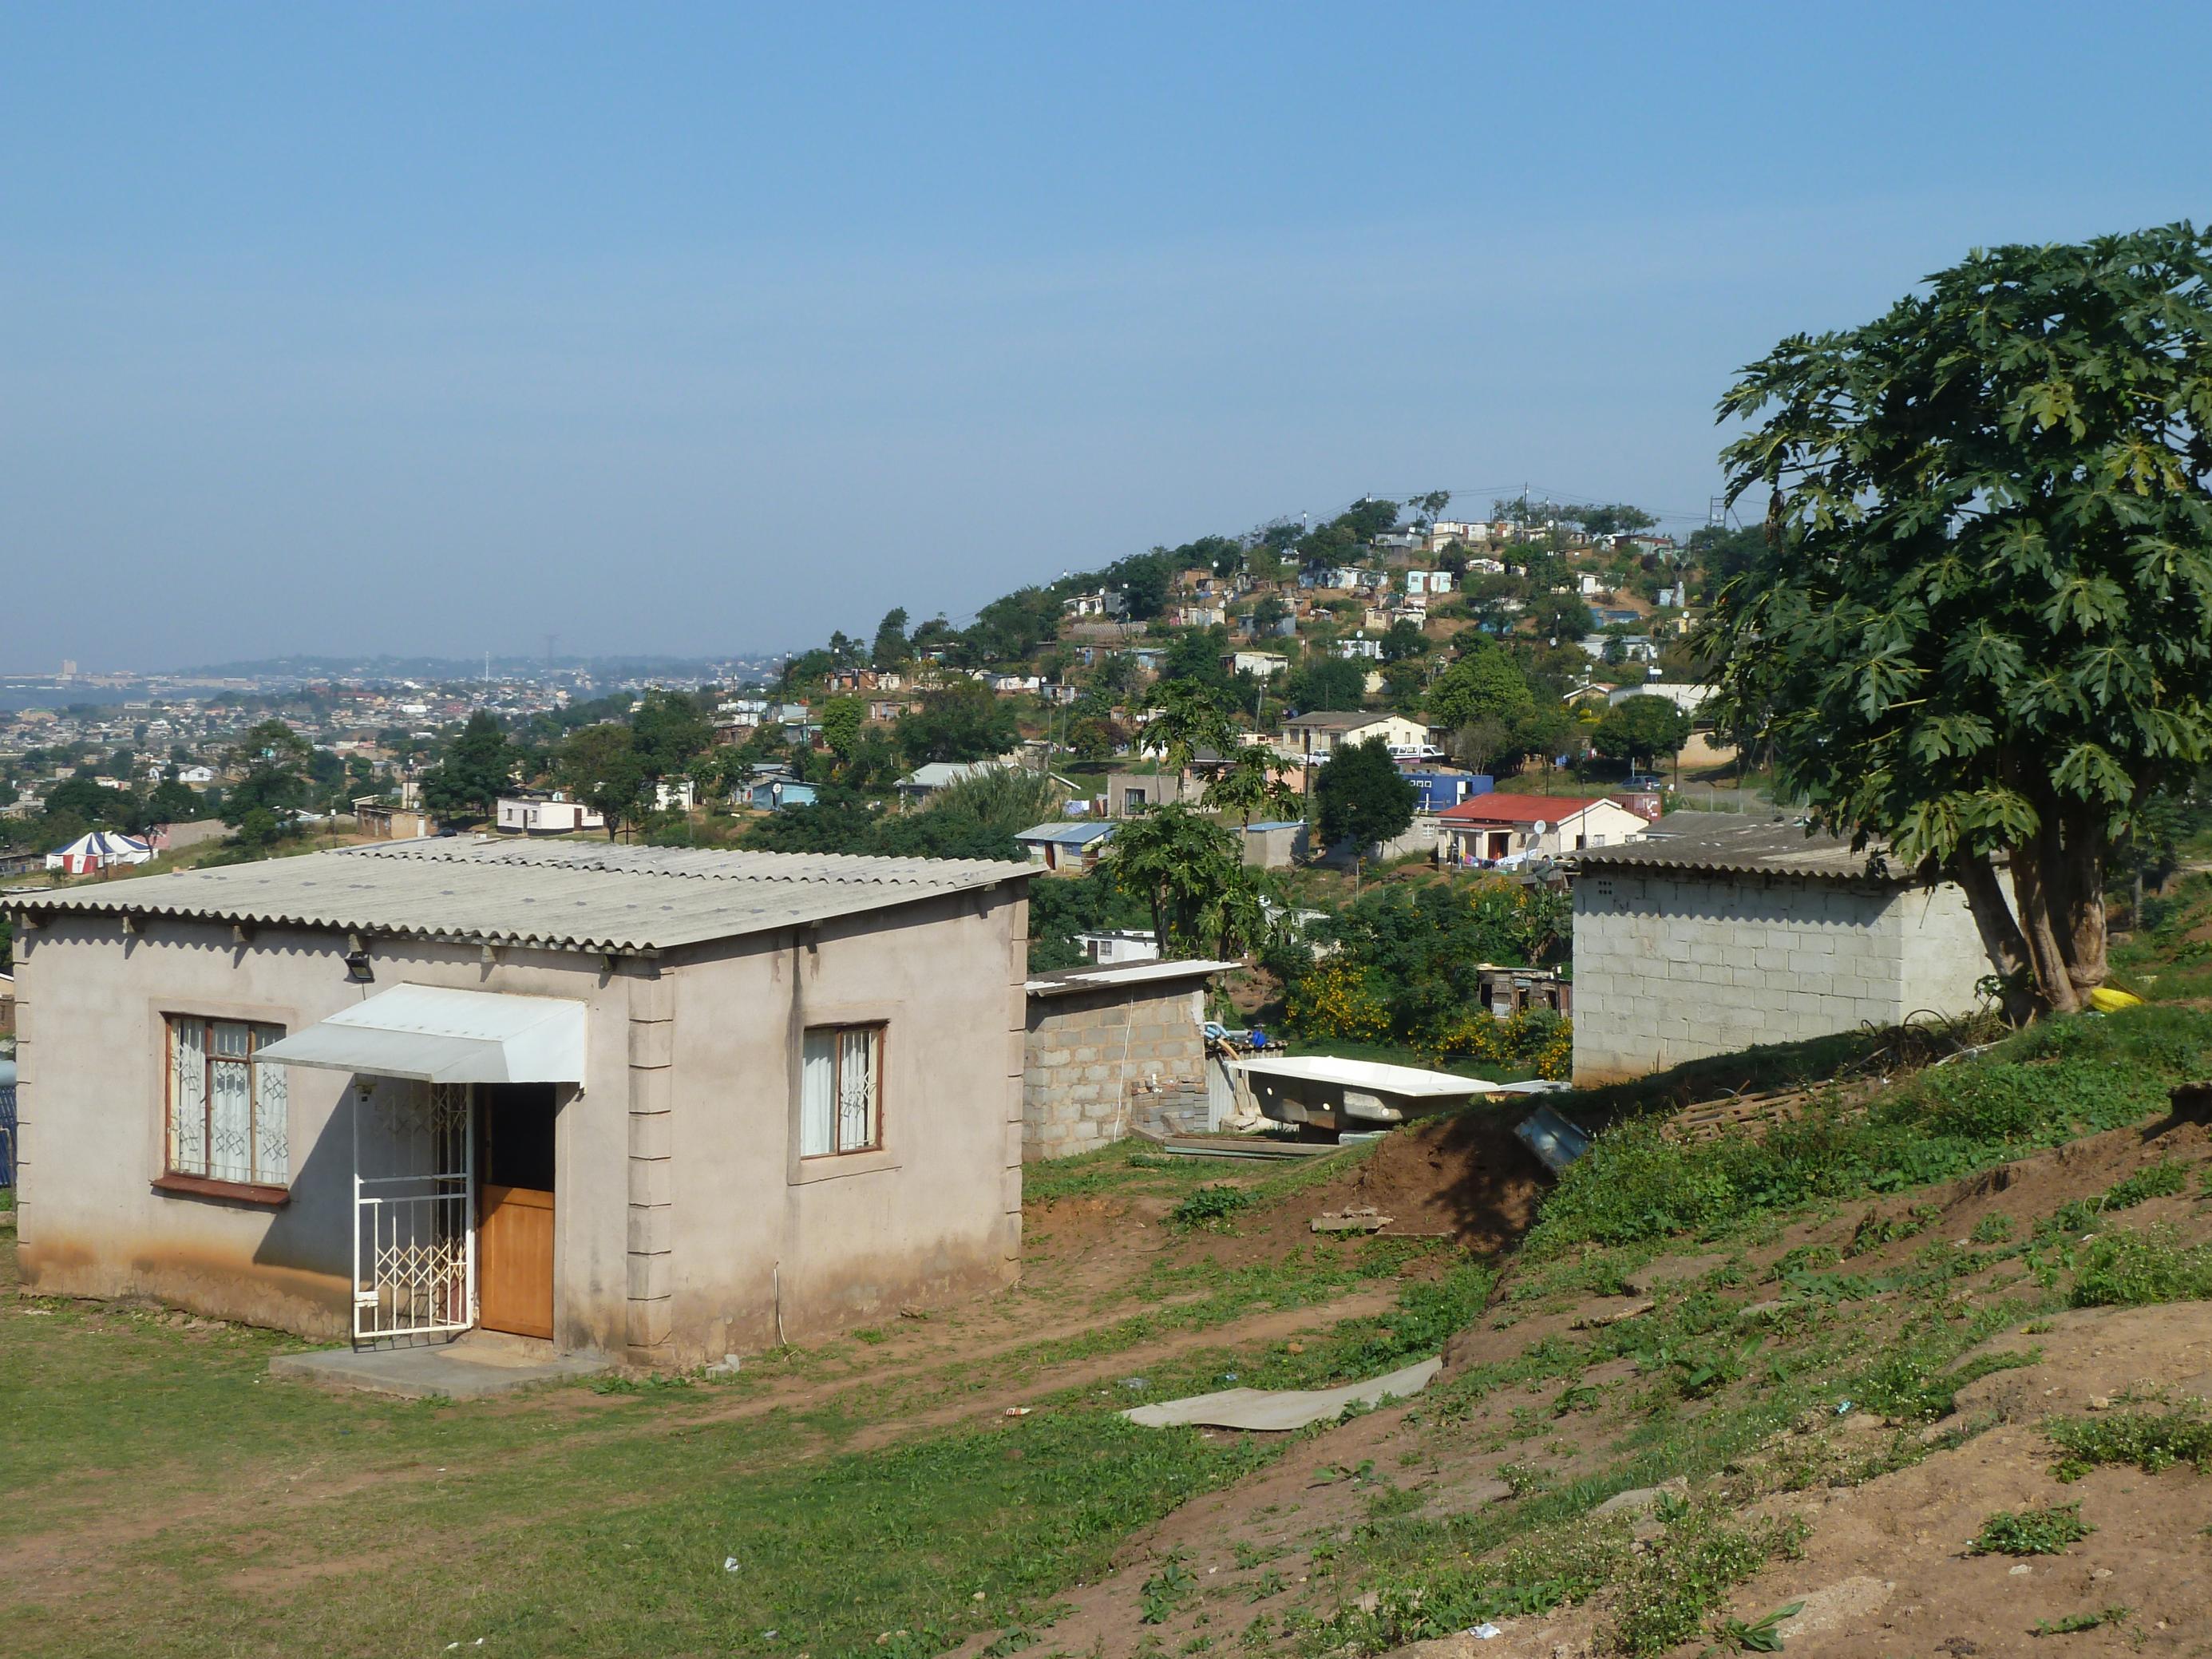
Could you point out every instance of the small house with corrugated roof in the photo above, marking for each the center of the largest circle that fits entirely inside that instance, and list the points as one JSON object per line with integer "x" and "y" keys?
{"x": 657, "y": 1104}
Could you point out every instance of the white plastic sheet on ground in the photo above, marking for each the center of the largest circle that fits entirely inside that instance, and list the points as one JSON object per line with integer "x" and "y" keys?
{"x": 1283, "y": 1408}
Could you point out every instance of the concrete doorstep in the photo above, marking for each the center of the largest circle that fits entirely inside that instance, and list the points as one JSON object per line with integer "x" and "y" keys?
{"x": 470, "y": 1367}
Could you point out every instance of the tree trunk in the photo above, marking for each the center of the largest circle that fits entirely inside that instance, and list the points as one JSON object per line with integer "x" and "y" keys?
{"x": 2000, "y": 930}
{"x": 2031, "y": 878}
{"x": 2059, "y": 875}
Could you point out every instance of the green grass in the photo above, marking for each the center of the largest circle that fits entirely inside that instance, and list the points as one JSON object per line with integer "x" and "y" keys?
{"x": 2148, "y": 1440}
{"x": 2031, "y": 1531}
{"x": 2075, "y": 1623}
{"x": 2129, "y": 1270}
{"x": 2040, "y": 1088}
{"x": 602, "y": 1529}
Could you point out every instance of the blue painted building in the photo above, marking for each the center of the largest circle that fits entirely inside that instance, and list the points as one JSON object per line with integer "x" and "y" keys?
{"x": 1441, "y": 790}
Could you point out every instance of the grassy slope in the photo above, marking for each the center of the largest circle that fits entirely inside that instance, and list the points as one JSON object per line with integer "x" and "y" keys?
{"x": 161, "y": 1494}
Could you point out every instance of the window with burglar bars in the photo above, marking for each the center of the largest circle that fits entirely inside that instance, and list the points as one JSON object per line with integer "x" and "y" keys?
{"x": 841, "y": 1095}
{"x": 226, "y": 1114}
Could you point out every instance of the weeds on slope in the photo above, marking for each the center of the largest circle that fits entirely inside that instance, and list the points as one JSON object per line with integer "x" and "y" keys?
{"x": 2044, "y": 1086}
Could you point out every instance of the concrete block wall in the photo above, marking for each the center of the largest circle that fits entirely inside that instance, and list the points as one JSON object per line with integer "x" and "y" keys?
{"x": 1672, "y": 967}
{"x": 1099, "y": 1063}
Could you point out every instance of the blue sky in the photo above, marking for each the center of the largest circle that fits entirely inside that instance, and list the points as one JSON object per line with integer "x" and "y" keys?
{"x": 711, "y": 328}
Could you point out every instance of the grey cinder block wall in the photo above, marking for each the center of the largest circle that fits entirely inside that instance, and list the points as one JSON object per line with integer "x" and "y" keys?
{"x": 1675, "y": 966}
{"x": 1102, "y": 1062}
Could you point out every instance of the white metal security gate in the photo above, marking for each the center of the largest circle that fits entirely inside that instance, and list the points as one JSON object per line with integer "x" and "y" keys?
{"x": 414, "y": 1209}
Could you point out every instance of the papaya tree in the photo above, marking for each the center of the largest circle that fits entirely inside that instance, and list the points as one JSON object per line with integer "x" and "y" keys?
{"x": 1979, "y": 633}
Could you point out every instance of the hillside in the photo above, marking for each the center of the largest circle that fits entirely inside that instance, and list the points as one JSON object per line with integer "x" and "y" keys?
{"x": 1716, "y": 1381}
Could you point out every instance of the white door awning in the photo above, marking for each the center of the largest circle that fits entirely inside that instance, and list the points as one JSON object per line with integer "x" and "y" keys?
{"x": 434, "y": 1035}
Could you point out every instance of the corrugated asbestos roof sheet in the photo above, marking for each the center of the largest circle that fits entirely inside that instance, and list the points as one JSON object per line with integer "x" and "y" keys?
{"x": 1730, "y": 843}
{"x": 560, "y": 895}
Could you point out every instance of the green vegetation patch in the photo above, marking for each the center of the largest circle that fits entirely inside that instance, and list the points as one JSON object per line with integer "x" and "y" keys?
{"x": 2147, "y": 1440}
{"x": 2129, "y": 1270}
{"x": 2044, "y": 1087}
{"x": 2031, "y": 1531}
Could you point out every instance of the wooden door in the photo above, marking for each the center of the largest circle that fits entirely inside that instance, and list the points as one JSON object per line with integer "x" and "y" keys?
{"x": 514, "y": 1208}
{"x": 514, "y": 1261}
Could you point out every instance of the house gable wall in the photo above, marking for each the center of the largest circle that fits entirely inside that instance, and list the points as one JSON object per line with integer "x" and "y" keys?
{"x": 753, "y": 1235}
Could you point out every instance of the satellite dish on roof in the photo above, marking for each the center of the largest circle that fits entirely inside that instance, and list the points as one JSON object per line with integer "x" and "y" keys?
{"x": 1539, "y": 827}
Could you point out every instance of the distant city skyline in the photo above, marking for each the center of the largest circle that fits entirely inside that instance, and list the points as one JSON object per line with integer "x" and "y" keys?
{"x": 704, "y": 331}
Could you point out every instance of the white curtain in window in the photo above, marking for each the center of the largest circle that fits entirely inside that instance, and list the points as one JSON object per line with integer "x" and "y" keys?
{"x": 272, "y": 1146}
{"x": 856, "y": 1092}
{"x": 188, "y": 1152}
{"x": 230, "y": 1119}
{"x": 817, "y": 1095}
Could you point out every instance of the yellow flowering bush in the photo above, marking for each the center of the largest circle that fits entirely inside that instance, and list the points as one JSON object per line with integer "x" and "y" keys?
{"x": 1337, "y": 1001}
{"x": 1533, "y": 1037}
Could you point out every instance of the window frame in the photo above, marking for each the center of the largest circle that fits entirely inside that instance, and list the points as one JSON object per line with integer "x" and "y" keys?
{"x": 259, "y": 1033}
{"x": 839, "y": 1030}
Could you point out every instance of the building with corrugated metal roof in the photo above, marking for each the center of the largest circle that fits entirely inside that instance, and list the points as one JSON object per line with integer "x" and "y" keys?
{"x": 1715, "y": 932}
{"x": 659, "y": 1104}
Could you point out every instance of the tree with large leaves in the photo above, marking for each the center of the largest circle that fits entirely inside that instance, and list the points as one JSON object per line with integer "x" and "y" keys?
{"x": 1177, "y": 862}
{"x": 1186, "y": 717}
{"x": 1980, "y": 631}
{"x": 1251, "y": 783}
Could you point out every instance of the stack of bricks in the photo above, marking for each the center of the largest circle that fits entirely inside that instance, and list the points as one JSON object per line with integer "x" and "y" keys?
{"x": 1102, "y": 1063}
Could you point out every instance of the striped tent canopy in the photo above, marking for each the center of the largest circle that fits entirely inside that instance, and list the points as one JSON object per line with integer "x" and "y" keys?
{"x": 97, "y": 850}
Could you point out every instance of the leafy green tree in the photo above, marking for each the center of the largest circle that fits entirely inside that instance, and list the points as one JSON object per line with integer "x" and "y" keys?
{"x": 476, "y": 770}
{"x": 88, "y": 799}
{"x": 841, "y": 721}
{"x": 1245, "y": 912}
{"x": 1326, "y": 682}
{"x": 808, "y": 668}
{"x": 1186, "y": 717}
{"x": 1196, "y": 656}
{"x": 1561, "y": 616}
{"x": 1427, "y": 508}
{"x": 1061, "y": 909}
{"x": 1642, "y": 728}
{"x": 1618, "y": 519}
{"x": 1982, "y": 627}
{"x": 1403, "y": 640}
{"x": 172, "y": 802}
{"x": 601, "y": 767}
{"x": 1176, "y": 861}
{"x": 1483, "y": 683}
{"x": 891, "y": 649}
{"x": 669, "y": 732}
{"x": 964, "y": 722}
{"x": 1364, "y": 798}
{"x": 1248, "y": 785}
{"x": 1143, "y": 583}
{"x": 273, "y": 760}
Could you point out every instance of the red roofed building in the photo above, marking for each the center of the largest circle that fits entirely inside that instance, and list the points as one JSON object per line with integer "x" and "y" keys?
{"x": 1485, "y": 829}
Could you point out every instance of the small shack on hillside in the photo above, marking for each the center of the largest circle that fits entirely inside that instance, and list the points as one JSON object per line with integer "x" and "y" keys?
{"x": 1114, "y": 1049}
{"x": 1716, "y": 931}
